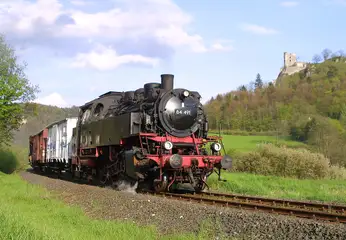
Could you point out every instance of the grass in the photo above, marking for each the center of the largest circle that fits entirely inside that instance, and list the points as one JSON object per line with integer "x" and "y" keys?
{"x": 30, "y": 212}
{"x": 280, "y": 187}
{"x": 249, "y": 143}
{"x": 13, "y": 158}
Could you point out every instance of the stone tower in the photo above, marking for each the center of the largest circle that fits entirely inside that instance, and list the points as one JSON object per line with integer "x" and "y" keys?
{"x": 290, "y": 59}
{"x": 291, "y": 65}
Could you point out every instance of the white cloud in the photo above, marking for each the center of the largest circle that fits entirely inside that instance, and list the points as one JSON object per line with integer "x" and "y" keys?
{"x": 54, "y": 99}
{"x": 20, "y": 16}
{"x": 79, "y": 2}
{"x": 289, "y": 4}
{"x": 137, "y": 29}
{"x": 256, "y": 29}
{"x": 103, "y": 58}
{"x": 220, "y": 47}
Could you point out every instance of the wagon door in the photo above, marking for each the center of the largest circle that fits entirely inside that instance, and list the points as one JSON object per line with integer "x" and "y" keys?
{"x": 63, "y": 150}
{"x": 54, "y": 141}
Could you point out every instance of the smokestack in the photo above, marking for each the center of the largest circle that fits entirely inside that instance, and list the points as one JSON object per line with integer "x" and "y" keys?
{"x": 167, "y": 82}
{"x": 129, "y": 95}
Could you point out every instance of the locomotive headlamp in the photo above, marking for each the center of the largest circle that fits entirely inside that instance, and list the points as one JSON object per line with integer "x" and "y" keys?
{"x": 168, "y": 145}
{"x": 176, "y": 161}
{"x": 216, "y": 147}
{"x": 186, "y": 93}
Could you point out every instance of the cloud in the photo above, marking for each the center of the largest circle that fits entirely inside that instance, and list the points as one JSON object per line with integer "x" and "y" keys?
{"x": 146, "y": 29}
{"x": 54, "y": 99}
{"x": 289, "y": 4}
{"x": 79, "y": 2}
{"x": 220, "y": 47}
{"x": 103, "y": 58}
{"x": 256, "y": 29}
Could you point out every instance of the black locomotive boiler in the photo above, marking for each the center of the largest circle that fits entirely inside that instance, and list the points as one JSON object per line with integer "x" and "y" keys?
{"x": 156, "y": 135}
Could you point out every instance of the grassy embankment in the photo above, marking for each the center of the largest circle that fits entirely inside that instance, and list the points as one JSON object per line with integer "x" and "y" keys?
{"x": 330, "y": 190}
{"x": 280, "y": 187}
{"x": 30, "y": 212}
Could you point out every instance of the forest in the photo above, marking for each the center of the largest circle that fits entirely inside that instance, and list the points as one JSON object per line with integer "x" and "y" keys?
{"x": 309, "y": 106}
{"x": 37, "y": 116}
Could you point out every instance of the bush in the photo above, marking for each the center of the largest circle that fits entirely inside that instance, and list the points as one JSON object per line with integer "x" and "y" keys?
{"x": 322, "y": 135}
{"x": 336, "y": 172}
{"x": 286, "y": 162}
{"x": 8, "y": 161}
{"x": 327, "y": 138}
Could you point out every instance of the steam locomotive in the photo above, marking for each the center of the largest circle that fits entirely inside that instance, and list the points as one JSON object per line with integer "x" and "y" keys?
{"x": 156, "y": 135}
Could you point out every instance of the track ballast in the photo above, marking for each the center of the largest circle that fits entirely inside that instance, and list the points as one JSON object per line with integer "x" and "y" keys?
{"x": 302, "y": 209}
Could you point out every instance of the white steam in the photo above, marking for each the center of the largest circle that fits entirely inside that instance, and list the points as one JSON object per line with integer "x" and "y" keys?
{"x": 125, "y": 186}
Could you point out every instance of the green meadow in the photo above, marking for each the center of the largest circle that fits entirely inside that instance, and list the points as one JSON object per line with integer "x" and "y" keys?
{"x": 249, "y": 143}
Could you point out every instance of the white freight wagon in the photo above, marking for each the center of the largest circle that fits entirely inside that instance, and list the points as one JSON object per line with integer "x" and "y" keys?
{"x": 59, "y": 146}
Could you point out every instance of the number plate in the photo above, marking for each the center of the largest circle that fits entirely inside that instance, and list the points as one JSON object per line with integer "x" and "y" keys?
{"x": 184, "y": 111}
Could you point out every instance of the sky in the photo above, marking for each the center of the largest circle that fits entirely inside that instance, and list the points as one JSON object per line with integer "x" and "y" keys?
{"x": 77, "y": 50}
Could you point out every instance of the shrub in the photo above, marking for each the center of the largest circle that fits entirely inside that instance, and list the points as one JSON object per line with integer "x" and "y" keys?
{"x": 336, "y": 172}
{"x": 8, "y": 161}
{"x": 286, "y": 162}
{"x": 322, "y": 135}
{"x": 327, "y": 138}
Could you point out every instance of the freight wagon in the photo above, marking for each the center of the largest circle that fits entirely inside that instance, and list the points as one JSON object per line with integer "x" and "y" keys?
{"x": 37, "y": 148}
{"x": 55, "y": 145}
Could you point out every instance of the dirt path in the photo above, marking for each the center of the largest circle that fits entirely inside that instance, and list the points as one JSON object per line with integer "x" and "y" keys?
{"x": 172, "y": 216}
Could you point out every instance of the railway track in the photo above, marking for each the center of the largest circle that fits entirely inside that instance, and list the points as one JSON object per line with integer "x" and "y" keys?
{"x": 302, "y": 209}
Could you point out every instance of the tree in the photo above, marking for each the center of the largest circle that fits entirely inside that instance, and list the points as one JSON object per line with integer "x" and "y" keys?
{"x": 316, "y": 58}
{"x": 326, "y": 53}
{"x": 15, "y": 89}
{"x": 242, "y": 88}
{"x": 341, "y": 53}
{"x": 258, "y": 81}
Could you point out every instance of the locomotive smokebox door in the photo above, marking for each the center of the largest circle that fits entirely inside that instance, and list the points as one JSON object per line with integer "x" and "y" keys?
{"x": 179, "y": 114}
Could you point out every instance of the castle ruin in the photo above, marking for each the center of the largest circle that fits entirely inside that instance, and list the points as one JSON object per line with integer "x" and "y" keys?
{"x": 291, "y": 65}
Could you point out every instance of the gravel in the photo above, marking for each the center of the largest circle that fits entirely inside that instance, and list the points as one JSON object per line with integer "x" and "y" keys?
{"x": 174, "y": 216}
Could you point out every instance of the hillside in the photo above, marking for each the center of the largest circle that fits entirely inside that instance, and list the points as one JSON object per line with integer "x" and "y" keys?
{"x": 309, "y": 105}
{"x": 38, "y": 116}
{"x": 320, "y": 89}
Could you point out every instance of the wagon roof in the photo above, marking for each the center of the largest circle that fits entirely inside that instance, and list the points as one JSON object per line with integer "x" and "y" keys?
{"x": 51, "y": 124}
{"x": 33, "y": 135}
{"x": 60, "y": 121}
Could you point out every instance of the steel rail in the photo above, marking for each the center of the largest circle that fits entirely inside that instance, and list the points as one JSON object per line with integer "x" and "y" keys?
{"x": 325, "y": 207}
{"x": 253, "y": 204}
